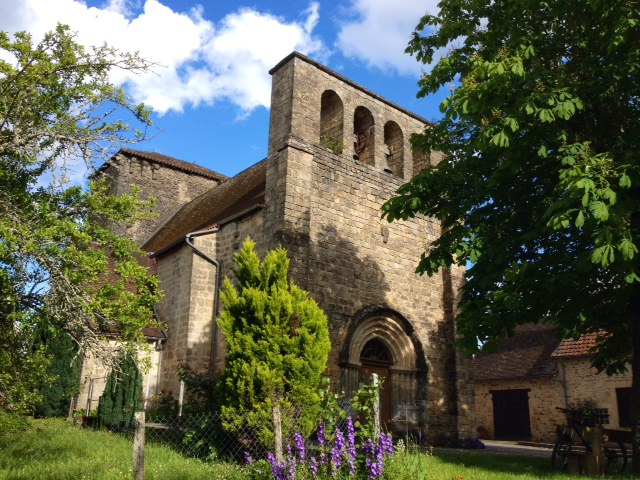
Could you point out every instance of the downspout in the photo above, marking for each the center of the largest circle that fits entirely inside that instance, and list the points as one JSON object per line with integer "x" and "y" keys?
{"x": 216, "y": 295}
{"x": 563, "y": 382}
{"x": 160, "y": 355}
{"x": 158, "y": 348}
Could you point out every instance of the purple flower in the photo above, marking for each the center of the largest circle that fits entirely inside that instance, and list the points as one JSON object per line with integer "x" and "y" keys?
{"x": 292, "y": 469}
{"x": 321, "y": 439}
{"x": 368, "y": 447}
{"x": 313, "y": 466}
{"x": 302, "y": 453}
{"x": 351, "y": 446}
{"x": 323, "y": 458}
{"x": 247, "y": 458}
{"x": 278, "y": 470}
{"x": 375, "y": 469}
{"x": 387, "y": 443}
{"x": 336, "y": 453}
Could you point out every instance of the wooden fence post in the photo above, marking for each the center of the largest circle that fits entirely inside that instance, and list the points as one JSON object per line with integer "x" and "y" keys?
{"x": 594, "y": 459}
{"x": 376, "y": 405}
{"x": 138, "y": 447}
{"x": 277, "y": 426}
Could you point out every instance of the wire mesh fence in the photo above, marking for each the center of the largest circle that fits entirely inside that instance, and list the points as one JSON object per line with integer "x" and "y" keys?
{"x": 207, "y": 436}
{"x": 204, "y": 436}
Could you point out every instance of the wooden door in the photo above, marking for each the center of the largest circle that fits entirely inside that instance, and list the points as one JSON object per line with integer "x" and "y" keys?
{"x": 385, "y": 395}
{"x": 511, "y": 420}
{"x": 376, "y": 358}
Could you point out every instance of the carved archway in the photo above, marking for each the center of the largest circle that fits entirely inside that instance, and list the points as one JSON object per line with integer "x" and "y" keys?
{"x": 381, "y": 341}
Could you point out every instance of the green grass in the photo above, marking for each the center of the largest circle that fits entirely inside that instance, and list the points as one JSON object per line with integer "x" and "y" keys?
{"x": 54, "y": 450}
{"x": 473, "y": 465}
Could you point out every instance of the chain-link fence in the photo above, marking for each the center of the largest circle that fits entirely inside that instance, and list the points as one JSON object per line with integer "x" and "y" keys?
{"x": 204, "y": 436}
{"x": 207, "y": 437}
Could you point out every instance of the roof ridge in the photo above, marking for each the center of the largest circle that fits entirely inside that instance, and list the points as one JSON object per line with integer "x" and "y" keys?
{"x": 174, "y": 163}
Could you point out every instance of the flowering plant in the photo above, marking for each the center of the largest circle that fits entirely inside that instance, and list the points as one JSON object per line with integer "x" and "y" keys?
{"x": 342, "y": 459}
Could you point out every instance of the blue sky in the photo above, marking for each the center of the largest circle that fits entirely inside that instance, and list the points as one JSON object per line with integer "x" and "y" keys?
{"x": 210, "y": 90}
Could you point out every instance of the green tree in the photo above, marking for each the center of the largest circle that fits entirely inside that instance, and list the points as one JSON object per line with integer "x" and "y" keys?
{"x": 539, "y": 184}
{"x": 122, "y": 396}
{"x": 64, "y": 371}
{"x": 277, "y": 348}
{"x": 60, "y": 264}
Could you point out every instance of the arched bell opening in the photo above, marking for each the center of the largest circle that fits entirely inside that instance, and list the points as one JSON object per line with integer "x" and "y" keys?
{"x": 363, "y": 136}
{"x": 331, "y": 122}
{"x": 393, "y": 161}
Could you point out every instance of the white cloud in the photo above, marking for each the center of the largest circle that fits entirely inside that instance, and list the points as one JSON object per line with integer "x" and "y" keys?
{"x": 380, "y": 30}
{"x": 200, "y": 61}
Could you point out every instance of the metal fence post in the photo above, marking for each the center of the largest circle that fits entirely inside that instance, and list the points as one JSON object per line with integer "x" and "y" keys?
{"x": 138, "y": 447}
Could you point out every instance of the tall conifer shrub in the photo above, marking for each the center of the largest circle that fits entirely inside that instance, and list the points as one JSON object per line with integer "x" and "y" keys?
{"x": 277, "y": 348}
{"x": 122, "y": 395}
{"x": 63, "y": 370}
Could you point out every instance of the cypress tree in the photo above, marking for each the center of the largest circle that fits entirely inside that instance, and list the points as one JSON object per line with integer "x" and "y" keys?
{"x": 64, "y": 372}
{"x": 122, "y": 395}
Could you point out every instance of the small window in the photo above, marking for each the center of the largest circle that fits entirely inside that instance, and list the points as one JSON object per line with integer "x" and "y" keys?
{"x": 602, "y": 416}
{"x": 623, "y": 396}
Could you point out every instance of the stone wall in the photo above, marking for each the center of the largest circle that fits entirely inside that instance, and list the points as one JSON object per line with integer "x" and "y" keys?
{"x": 585, "y": 383}
{"x": 576, "y": 381}
{"x": 171, "y": 188}
{"x": 189, "y": 283}
{"x": 94, "y": 372}
{"x": 544, "y": 396}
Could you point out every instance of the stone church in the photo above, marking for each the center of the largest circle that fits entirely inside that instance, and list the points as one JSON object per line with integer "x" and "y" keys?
{"x": 336, "y": 153}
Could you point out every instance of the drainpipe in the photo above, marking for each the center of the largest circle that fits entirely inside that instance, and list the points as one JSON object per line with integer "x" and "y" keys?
{"x": 214, "y": 327}
{"x": 563, "y": 382}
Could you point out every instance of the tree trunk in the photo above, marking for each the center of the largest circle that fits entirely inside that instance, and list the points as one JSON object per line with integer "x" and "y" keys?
{"x": 277, "y": 426}
{"x": 635, "y": 388}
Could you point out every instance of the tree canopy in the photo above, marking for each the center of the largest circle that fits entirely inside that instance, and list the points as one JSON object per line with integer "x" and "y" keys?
{"x": 277, "y": 347}
{"x": 60, "y": 264}
{"x": 538, "y": 189}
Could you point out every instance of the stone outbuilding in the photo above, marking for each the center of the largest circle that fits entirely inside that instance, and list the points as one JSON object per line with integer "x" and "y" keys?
{"x": 336, "y": 153}
{"x": 518, "y": 388}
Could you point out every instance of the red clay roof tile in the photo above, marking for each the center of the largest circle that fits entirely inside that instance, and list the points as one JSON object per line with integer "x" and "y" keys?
{"x": 581, "y": 347}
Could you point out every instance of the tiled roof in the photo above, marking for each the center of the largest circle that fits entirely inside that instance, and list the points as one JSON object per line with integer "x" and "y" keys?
{"x": 526, "y": 354}
{"x": 173, "y": 163}
{"x": 237, "y": 194}
{"x": 578, "y": 348}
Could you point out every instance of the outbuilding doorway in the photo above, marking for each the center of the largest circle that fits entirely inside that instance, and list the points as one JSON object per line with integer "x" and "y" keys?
{"x": 511, "y": 420}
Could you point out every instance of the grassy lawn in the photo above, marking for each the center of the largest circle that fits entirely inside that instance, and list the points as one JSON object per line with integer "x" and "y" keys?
{"x": 53, "y": 449}
{"x": 474, "y": 465}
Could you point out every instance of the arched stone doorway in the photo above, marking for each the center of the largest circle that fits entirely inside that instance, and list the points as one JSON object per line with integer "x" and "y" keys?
{"x": 383, "y": 342}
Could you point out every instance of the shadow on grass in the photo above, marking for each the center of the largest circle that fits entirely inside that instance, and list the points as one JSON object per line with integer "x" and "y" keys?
{"x": 508, "y": 466}
{"x": 504, "y": 464}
